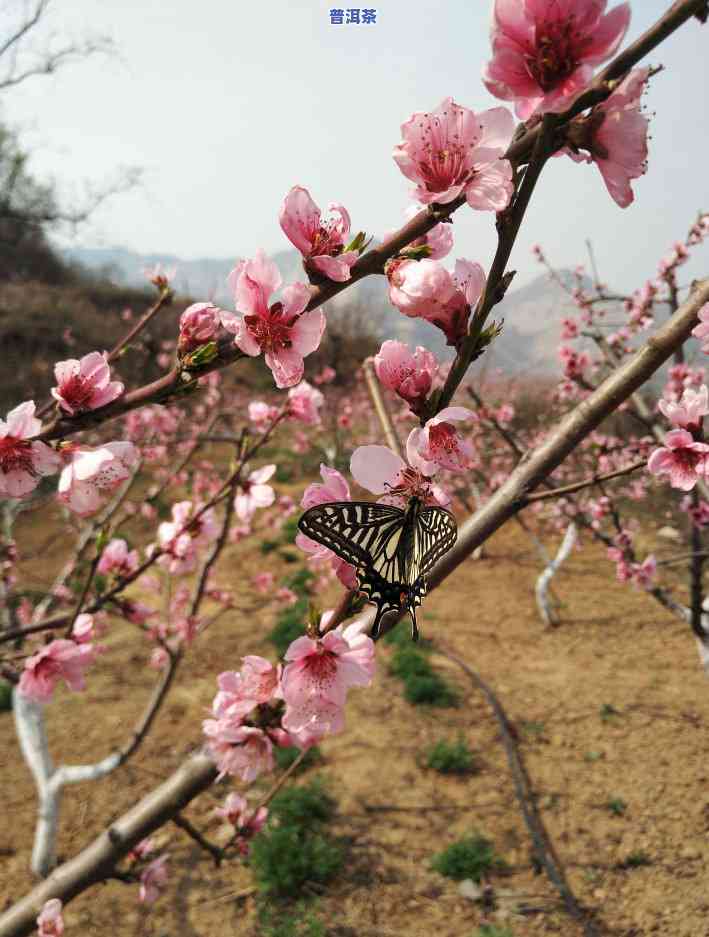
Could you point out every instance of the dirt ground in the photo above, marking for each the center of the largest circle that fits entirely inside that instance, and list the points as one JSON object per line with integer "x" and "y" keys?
{"x": 615, "y": 647}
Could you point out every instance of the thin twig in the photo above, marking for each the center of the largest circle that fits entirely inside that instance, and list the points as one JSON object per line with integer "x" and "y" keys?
{"x": 586, "y": 482}
{"x": 214, "y": 851}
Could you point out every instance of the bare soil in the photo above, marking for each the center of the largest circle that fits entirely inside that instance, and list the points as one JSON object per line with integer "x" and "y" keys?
{"x": 615, "y": 647}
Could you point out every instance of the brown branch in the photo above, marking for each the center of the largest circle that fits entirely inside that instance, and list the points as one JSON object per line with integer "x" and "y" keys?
{"x": 585, "y": 483}
{"x": 382, "y": 410}
{"x": 97, "y": 861}
{"x": 541, "y": 841}
{"x": 164, "y": 299}
{"x": 214, "y": 851}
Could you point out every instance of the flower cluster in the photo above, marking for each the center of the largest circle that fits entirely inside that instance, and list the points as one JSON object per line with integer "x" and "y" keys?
{"x": 684, "y": 458}
{"x": 297, "y": 704}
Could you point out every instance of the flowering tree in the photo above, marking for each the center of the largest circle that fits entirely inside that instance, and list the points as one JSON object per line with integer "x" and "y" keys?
{"x": 113, "y": 446}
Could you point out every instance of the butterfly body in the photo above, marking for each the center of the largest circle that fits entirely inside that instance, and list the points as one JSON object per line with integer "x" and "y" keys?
{"x": 391, "y": 549}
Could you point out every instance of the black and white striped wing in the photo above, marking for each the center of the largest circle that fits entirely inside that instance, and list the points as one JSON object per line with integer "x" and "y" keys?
{"x": 436, "y": 532}
{"x": 359, "y": 532}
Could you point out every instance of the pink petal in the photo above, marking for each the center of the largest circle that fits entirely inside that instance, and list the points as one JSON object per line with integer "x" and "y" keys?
{"x": 376, "y": 468}
{"x": 299, "y": 218}
{"x": 286, "y": 365}
{"x": 307, "y": 332}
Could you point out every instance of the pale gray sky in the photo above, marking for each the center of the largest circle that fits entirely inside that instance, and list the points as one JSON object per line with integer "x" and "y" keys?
{"x": 227, "y": 104}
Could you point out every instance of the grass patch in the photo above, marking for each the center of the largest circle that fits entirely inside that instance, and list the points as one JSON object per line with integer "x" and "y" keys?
{"x": 295, "y": 848}
{"x": 617, "y": 806}
{"x": 290, "y": 529}
{"x": 473, "y": 857}
{"x": 305, "y": 806}
{"x": 423, "y": 686}
{"x": 300, "y": 582}
{"x": 290, "y": 624}
{"x": 285, "y": 757}
{"x": 5, "y": 696}
{"x": 451, "y": 757}
{"x": 608, "y": 712}
{"x": 635, "y": 860}
{"x": 299, "y": 922}
{"x": 492, "y": 930}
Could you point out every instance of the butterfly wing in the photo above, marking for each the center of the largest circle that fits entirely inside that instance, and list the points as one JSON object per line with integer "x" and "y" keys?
{"x": 368, "y": 536}
{"x": 353, "y": 530}
{"x": 436, "y": 532}
{"x": 391, "y": 549}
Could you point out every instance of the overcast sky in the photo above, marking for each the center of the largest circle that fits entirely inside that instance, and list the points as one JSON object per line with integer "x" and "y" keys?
{"x": 227, "y": 104}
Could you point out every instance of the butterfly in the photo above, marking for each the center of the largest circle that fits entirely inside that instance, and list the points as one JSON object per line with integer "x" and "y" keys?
{"x": 391, "y": 549}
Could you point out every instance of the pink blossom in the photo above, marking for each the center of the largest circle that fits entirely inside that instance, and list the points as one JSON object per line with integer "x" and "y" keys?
{"x": 675, "y": 257}
{"x": 689, "y": 413}
{"x": 304, "y": 402}
{"x": 284, "y": 331}
{"x": 50, "y": 922}
{"x": 439, "y": 445}
{"x": 181, "y": 537}
{"x": 61, "y": 659}
{"x": 242, "y": 751}
{"x": 452, "y": 317}
{"x": 320, "y": 240}
{"x": 681, "y": 458}
{"x": 136, "y": 612}
{"x": 383, "y": 472}
{"x": 286, "y": 595}
{"x": 575, "y": 362}
{"x": 569, "y": 329}
{"x": 644, "y": 573}
{"x": 438, "y": 241}
{"x": 327, "y": 375}
{"x": 236, "y": 812}
{"x": 700, "y": 331}
{"x": 153, "y": 879}
{"x": 425, "y": 288}
{"x": 264, "y": 582}
{"x": 142, "y": 849}
{"x": 408, "y": 375}
{"x": 198, "y": 324}
{"x": 85, "y": 384}
{"x": 615, "y": 133}
{"x": 254, "y": 493}
{"x": 22, "y": 460}
{"x": 334, "y": 488}
{"x": 243, "y": 690}
{"x": 159, "y": 275}
{"x": 84, "y": 628}
{"x": 318, "y": 675}
{"x": 262, "y": 414}
{"x": 416, "y": 285}
{"x": 452, "y": 150}
{"x": 118, "y": 559}
{"x": 544, "y": 51}
{"x": 259, "y": 678}
{"x": 90, "y": 473}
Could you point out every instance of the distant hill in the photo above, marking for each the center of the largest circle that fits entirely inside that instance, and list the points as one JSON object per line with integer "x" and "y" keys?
{"x": 532, "y": 314}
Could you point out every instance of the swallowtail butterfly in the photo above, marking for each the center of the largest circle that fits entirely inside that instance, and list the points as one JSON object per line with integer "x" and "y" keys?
{"x": 391, "y": 549}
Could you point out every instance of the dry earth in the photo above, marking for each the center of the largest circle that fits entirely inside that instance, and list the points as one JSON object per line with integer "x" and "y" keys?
{"x": 615, "y": 647}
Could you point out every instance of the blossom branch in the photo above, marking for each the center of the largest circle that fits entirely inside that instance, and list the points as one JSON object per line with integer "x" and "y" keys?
{"x": 586, "y": 482}
{"x": 96, "y": 862}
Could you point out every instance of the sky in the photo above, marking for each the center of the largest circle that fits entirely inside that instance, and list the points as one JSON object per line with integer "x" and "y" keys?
{"x": 225, "y": 105}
